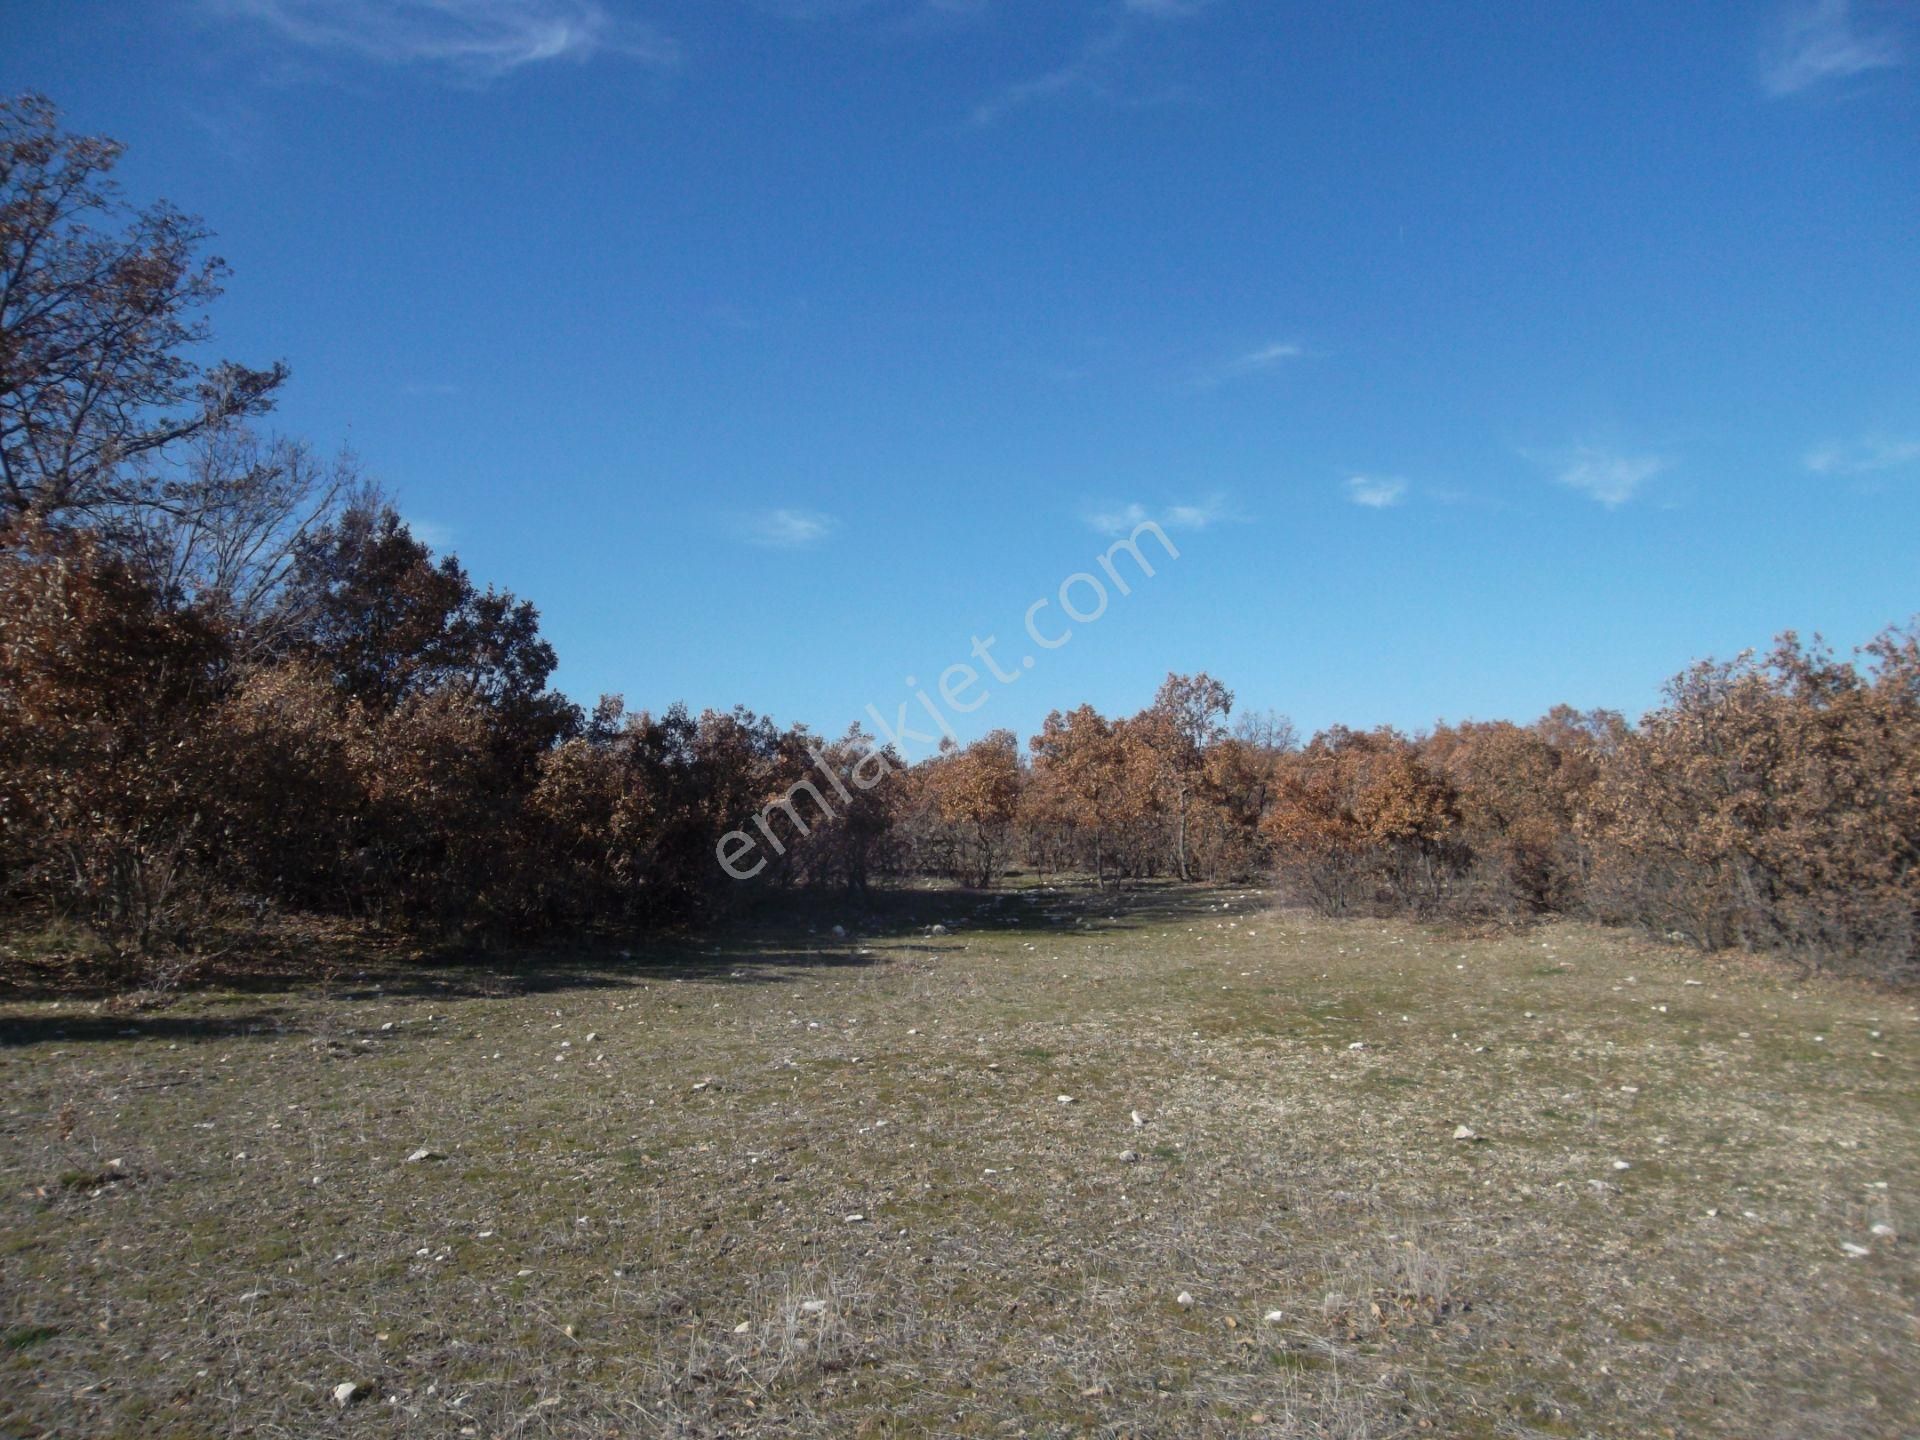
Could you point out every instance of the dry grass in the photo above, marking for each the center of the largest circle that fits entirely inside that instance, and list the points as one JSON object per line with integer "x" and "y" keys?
{"x": 641, "y": 1223}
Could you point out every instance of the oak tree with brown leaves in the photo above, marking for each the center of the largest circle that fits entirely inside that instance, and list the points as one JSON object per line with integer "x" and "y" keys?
{"x": 101, "y": 309}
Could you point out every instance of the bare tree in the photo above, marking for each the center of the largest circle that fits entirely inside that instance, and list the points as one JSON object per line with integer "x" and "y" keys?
{"x": 225, "y": 529}
{"x": 1266, "y": 731}
{"x": 1188, "y": 714}
{"x": 100, "y": 306}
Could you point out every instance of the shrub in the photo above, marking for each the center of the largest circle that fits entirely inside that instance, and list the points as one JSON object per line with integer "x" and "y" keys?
{"x": 104, "y": 765}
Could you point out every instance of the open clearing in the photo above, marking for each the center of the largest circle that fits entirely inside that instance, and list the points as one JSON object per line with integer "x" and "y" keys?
{"x": 780, "y": 1182}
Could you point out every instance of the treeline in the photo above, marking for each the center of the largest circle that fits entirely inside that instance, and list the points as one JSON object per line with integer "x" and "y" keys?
{"x": 233, "y": 684}
{"x": 1771, "y": 803}
{"x": 375, "y": 738}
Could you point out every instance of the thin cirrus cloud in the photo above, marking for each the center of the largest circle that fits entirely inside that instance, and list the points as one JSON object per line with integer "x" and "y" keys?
{"x": 1863, "y": 457}
{"x": 1376, "y": 492}
{"x": 1096, "y": 71}
{"x": 786, "y": 529}
{"x": 431, "y": 533}
{"x": 1819, "y": 42}
{"x": 1253, "y": 362}
{"x": 1608, "y": 476}
{"x": 1125, "y": 519}
{"x": 476, "y": 39}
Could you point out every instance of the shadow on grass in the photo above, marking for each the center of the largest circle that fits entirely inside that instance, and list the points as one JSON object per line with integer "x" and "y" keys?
{"x": 768, "y": 946}
{"x": 56, "y": 1028}
{"x": 553, "y": 972}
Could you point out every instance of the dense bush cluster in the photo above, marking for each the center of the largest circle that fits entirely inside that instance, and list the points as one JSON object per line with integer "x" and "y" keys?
{"x": 232, "y": 681}
{"x": 394, "y": 754}
{"x": 1770, "y": 804}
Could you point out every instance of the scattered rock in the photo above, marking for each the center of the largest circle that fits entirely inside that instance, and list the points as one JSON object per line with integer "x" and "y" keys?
{"x": 1184, "y": 1300}
{"x": 743, "y": 1328}
{"x": 1274, "y": 1317}
{"x": 856, "y": 1219}
{"x": 1883, "y": 1230}
{"x": 348, "y": 1392}
{"x": 1138, "y": 1119}
{"x": 1129, "y": 1157}
{"x": 1064, "y": 1099}
{"x": 1857, "y": 1252}
{"x": 1462, "y": 1132}
{"x": 423, "y": 1153}
{"x": 1622, "y": 1165}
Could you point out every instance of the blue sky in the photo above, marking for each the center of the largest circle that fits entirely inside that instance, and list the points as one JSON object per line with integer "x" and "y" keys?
{"x": 1474, "y": 356}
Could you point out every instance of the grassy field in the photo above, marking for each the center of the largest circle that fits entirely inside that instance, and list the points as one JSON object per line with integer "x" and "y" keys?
{"x": 782, "y": 1182}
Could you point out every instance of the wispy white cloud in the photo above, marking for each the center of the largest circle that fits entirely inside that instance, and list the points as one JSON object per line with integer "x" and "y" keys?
{"x": 1125, "y": 519}
{"x": 431, "y": 533}
{"x": 1094, "y": 70}
{"x": 1197, "y": 517}
{"x": 1862, "y": 457}
{"x": 1268, "y": 355}
{"x": 1253, "y": 362}
{"x": 1817, "y": 42}
{"x": 1607, "y": 476}
{"x": 233, "y": 129}
{"x": 1376, "y": 492}
{"x": 787, "y": 529}
{"x": 907, "y": 15}
{"x": 479, "y": 39}
{"x": 1086, "y": 73}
